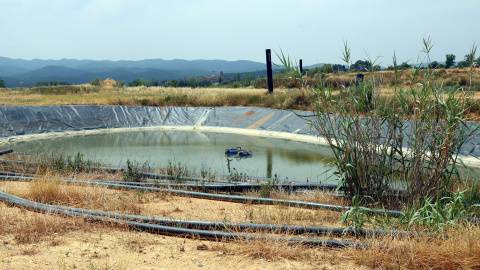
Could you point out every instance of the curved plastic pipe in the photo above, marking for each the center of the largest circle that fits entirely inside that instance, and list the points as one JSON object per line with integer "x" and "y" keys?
{"x": 220, "y": 197}
{"x": 212, "y": 235}
{"x": 7, "y": 151}
{"x": 229, "y": 185}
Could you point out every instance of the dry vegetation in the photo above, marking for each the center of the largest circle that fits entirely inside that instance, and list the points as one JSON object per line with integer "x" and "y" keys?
{"x": 52, "y": 241}
{"x": 152, "y": 96}
{"x": 284, "y": 97}
{"x": 47, "y": 241}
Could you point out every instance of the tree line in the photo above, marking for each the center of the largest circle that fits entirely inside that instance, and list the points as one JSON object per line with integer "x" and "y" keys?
{"x": 250, "y": 79}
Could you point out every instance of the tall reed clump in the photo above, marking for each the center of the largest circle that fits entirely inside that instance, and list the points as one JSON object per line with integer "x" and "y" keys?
{"x": 413, "y": 138}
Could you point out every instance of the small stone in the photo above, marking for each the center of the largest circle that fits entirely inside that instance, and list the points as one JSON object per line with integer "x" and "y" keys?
{"x": 202, "y": 247}
{"x": 200, "y": 265}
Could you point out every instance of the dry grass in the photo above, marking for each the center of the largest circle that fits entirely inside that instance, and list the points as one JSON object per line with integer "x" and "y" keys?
{"x": 458, "y": 249}
{"x": 51, "y": 191}
{"x": 29, "y": 232}
{"x": 158, "y": 96}
{"x": 266, "y": 249}
{"x": 30, "y": 228}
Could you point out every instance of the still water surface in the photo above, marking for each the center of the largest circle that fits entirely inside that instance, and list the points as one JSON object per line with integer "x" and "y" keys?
{"x": 291, "y": 160}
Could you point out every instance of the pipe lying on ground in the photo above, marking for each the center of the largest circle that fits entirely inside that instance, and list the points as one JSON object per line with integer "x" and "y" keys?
{"x": 7, "y": 151}
{"x": 234, "y": 186}
{"x": 221, "y": 197}
{"x": 228, "y": 198}
{"x": 184, "y": 232}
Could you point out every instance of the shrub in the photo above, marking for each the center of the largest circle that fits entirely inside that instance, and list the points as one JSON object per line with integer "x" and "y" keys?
{"x": 95, "y": 82}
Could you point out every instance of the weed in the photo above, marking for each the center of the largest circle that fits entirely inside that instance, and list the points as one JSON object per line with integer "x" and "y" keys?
{"x": 74, "y": 164}
{"x": 267, "y": 188}
{"x": 176, "y": 171}
{"x": 237, "y": 176}
{"x": 135, "y": 171}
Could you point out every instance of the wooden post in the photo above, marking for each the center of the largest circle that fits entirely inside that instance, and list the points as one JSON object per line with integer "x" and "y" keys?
{"x": 301, "y": 66}
{"x": 269, "y": 71}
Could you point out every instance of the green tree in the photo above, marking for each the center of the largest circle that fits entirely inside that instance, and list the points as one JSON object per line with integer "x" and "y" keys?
{"x": 361, "y": 65}
{"x": 468, "y": 59}
{"x": 172, "y": 83}
{"x": 95, "y": 82}
{"x": 404, "y": 65}
{"x": 338, "y": 67}
{"x": 204, "y": 83}
{"x": 41, "y": 83}
{"x": 154, "y": 82}
{"x": 327, "y": 68}
{"x": 119, "y": 84}
{"x": 139, "y": 82}
{"x": 2, "y": 84}
{"x": 450, "y": 61}
{"x": 435, "y": 65}
{"x": 248, "y": 79}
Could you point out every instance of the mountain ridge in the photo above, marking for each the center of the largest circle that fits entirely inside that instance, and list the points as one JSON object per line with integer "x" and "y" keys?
{"x": 21, "y": 72}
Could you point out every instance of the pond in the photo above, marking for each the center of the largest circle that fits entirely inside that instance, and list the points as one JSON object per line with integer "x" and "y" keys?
{"x": 289, "y": 160}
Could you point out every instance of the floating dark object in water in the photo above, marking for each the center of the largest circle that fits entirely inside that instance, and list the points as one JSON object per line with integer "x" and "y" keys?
{"x": 237, "y": 151}
{"x": 233, "y": 151}
{"x": 244, "y": 153}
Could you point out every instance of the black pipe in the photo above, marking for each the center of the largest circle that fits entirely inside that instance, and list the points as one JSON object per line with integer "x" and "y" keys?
{"x": 7, "y": 151}
{"x": 234, "y": 184}
{"x": 229, "y": 198}
{"x": 212, "y": 235}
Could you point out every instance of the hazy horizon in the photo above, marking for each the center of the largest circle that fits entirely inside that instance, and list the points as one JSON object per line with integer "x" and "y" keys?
{"x": 314, "y": 31}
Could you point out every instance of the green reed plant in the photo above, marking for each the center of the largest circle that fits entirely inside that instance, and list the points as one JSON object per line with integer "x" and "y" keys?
{"x": 413, "y": 138}
{"x": 357, "y": 216}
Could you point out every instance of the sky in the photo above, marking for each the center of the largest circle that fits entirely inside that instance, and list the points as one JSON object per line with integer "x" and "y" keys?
{"x": 312, "y": 30}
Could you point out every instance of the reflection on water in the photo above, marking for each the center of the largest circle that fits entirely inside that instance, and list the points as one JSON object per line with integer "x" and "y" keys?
{"x": 295, "y": 161}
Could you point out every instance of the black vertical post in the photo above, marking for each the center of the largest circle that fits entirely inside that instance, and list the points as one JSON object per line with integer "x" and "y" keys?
{"x": 269, "y": 163}
{"x": 301, "y": 66}
{"x": 269, "y": 71}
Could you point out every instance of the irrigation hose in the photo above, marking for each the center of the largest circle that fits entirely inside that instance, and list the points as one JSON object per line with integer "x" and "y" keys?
{"x": 228, "y": 185}
{"x": 161, "y": 229}
{"x": 221, "y": 197}
{"x": 230, "y": 198}
{"x": 7, "y": 151}
{"x": 242, "y": 226}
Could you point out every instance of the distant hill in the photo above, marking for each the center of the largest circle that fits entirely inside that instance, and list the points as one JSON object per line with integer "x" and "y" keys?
{"x": 18, "y": 72}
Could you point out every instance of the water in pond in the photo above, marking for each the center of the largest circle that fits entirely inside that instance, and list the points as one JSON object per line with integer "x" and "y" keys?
{"x": 197, "y": 151}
